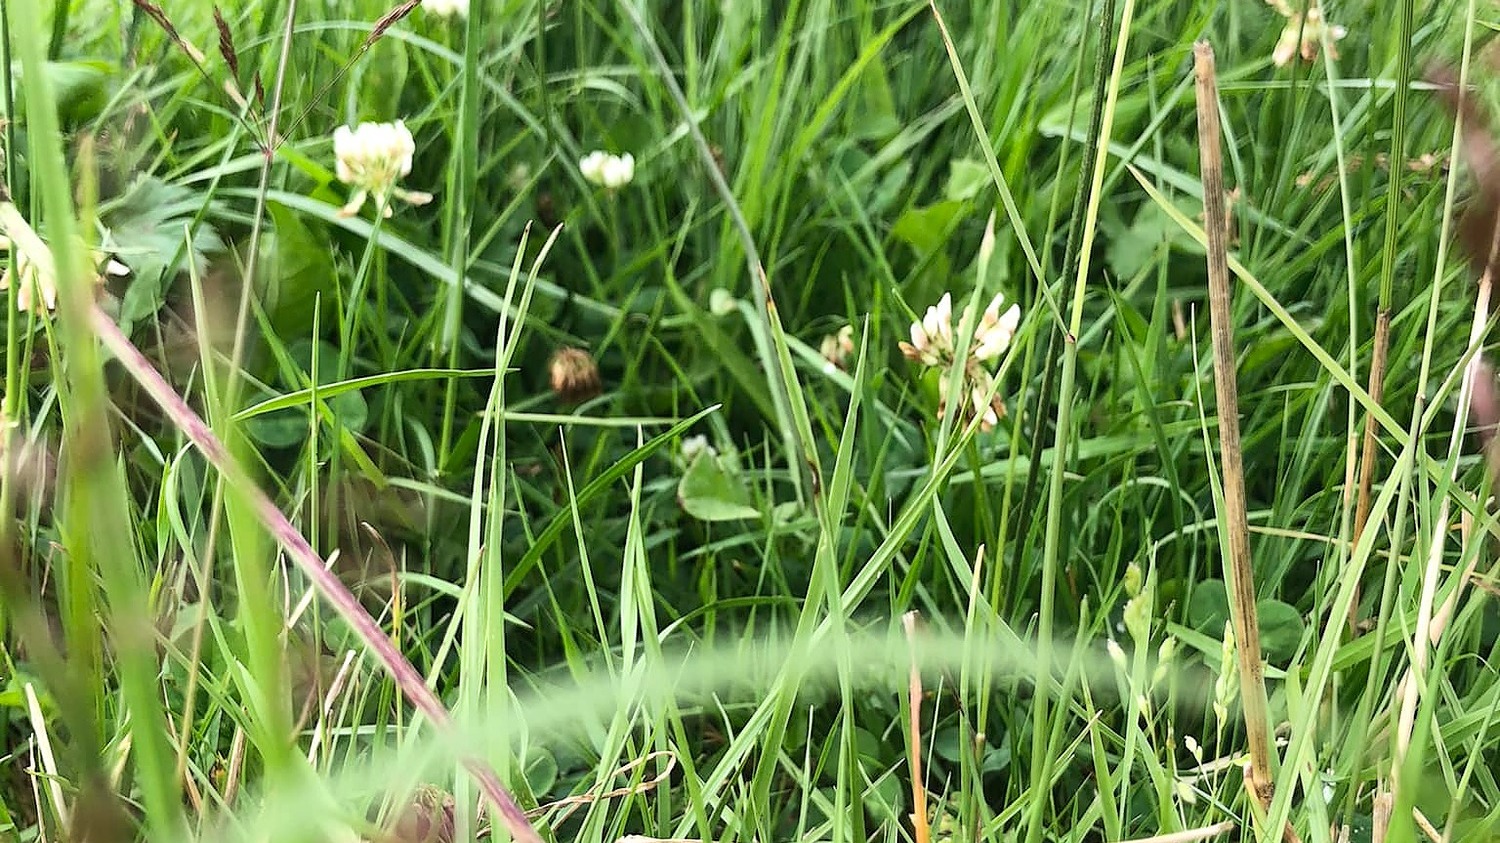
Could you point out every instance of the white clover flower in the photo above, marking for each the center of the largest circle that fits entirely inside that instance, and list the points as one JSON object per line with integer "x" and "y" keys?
{"x": 446, "y": 8}
{"x": 932, "y": 344}
{"x": 995, "y": 329}
{"x": 721, "y": 302}
{"x": 1304, "y": 36}
{"x": 836, "y": 348}
{"x": 371, "y": 157}
{"x": 932, "y": 338}
{"x": 987, "y": 409}
{"x": 31, "y": 268}
{"x": 610, "y": 172}
{"x": 978, "y": 385}
{"x": 692, "y": 446}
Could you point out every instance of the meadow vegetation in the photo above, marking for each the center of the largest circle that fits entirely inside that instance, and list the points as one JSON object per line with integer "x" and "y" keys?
{"x": 744, "y": 421}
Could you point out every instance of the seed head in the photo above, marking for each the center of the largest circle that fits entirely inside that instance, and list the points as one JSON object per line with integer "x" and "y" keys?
{"x": 574, "y": 374}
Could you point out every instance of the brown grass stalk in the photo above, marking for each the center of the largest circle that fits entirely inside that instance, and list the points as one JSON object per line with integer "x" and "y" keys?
{"x": 1367, "y": 452}
{"x": 921, "y": 831}
{"x": 1241, "y": 582}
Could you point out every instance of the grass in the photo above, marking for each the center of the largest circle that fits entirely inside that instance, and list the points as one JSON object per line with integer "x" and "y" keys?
{"x": 358, "y": 556}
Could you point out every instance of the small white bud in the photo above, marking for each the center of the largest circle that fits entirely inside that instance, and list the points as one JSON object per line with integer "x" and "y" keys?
{"x": 721, "y": 302}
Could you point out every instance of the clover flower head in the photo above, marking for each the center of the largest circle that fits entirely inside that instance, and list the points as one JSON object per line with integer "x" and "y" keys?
{"x": 31, "y": 269}
{"x": 608, "y": 171}
{"x": 996, "y": 329}
{"x": 1303, "y": 35}
{"x": 933, "y": 345}
{"x": 980, "y": 396}
{"x": 446, "y": 8}
{"x": 932, "y": 337}
{"x": 372, "y": 157}
{"x": 836, "y": 348}
{"x": 692, "y": 446}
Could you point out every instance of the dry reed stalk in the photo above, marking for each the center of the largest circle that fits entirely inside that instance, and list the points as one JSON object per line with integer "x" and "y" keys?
{"x": 922, "y": 833}
{"x": 1376, "y": 389}
{"x": 1241, "y": 583}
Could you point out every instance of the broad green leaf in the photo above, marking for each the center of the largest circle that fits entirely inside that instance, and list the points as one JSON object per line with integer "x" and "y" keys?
{"x": 81, "y": 88}
{"x": 348, "y": 407}
{"x": 710, "y": 493}
{"x": 927, "y": 228}
{"x": 1208, "y": 608}
{"x": 148, "y": 230}
{"x": 966, "y": 177}
{"x": 1281, "y": 629}
{"x": 1133, "y": 249}
{"x": 541, "y": 771}
{"x": 299, "y": 266}
{"x": 282, "y": 429}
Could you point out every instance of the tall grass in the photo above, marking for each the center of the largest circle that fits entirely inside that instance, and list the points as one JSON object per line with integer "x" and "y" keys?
{"x": 406, "y": 573}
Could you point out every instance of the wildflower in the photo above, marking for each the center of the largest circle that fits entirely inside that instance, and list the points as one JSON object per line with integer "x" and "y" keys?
{"x": 721, "y": 302}
{"x": 30, "y": 267}
{"x": 518, "y": 177}
{"x": 1303, "y": 34}
{"x": 932, "y": 338}
{"x": 610, "y": 172}
{"x": 574, "y": 374}
{"x": 996, "y": 329}
{"x": 836, "y": 348}
{"x": 446, "y": 8}
{"x": 371, "y": 157}
{"x": 989, "y": 410}
{"x": 1164, "y": 655}
{"x": 692, "y": 446}
{"x": 932, "y": 344}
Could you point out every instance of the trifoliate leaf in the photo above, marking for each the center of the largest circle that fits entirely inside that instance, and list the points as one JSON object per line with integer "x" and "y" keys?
{"x": 710, "y": 493}
{"x": 148, "y": 232}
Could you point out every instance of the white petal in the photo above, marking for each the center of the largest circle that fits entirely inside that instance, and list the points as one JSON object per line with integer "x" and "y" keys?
{"x": 918, "y": 336}
{"x": 992, "y": 313}
{"x": 592, "y": 166}
{"x": 945, "y": 319}
{"x": 991, "y": 345}
{"x": 1011, "y": 320}
{"x": 930, "y": 321}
